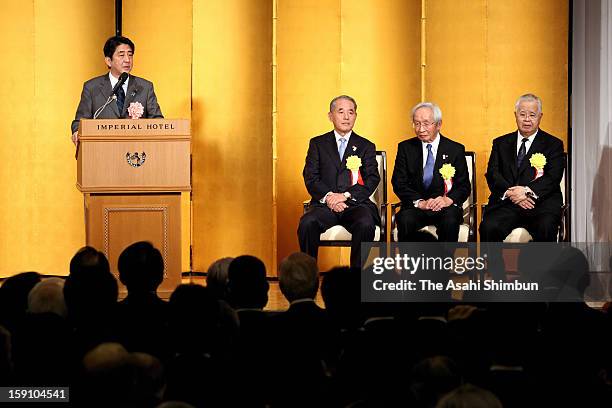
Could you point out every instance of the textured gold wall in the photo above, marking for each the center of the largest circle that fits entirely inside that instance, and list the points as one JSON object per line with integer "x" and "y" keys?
{"x": 45, "y": 63}
{"x": 232, "y": 129}
{"x": 479, "y": 57}
{"x": 367, "y": 49}
{"x": 309, "y": 49}
{"x": 482, "y": 55}
{"x": 162, "y": 36}
{"x": 212, "y": 61}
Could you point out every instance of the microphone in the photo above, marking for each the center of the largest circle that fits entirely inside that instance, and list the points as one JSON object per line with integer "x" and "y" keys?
{"x": 113, "y": 96}
{"x": 122, "y": 78}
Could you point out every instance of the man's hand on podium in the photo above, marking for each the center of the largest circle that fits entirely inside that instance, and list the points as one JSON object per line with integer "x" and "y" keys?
{"x": 75, "y": 138}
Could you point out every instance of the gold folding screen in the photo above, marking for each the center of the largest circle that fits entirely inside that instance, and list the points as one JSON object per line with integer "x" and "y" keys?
{"x": 163, "y": 55}
{"x": 482, "y": 55}
{"x": 232, "y": 129}
{"x": 367, "y": 49}
{"x": 51, "y": 48}
{"x": 256, "y": 77}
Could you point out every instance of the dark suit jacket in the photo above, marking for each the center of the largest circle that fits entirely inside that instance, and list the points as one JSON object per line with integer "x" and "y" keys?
{"x": 97, "y": 90}
{"x": 502, "y": 172}
{"x": 325, "y": 172}
{"x": 407, "y": 177}
{"x": 307, "y": 330}
{"x": 305, "y": 344}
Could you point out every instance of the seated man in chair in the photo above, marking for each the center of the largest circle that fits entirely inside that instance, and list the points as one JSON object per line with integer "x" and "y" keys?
{"x": 340, "y": 195}
{"x": 430, "y": 178}
{"x": 524, "y": 175}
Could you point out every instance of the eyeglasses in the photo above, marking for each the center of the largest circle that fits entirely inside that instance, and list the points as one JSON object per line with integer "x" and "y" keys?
{"x": 524, "y": 115}
{"x": 426, "y": 125}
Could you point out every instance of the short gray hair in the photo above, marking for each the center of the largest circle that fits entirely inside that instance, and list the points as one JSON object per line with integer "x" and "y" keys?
{"x": 298, "y": 276}
{"x": 332, "y": 104}
{"x": 47, "y": 296}
{"x": 437, "y": 113}
{"x": 217, "y": 277}
{"x": 528, "y": 98}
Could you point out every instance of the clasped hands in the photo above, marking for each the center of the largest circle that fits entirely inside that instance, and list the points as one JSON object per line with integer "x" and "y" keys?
{"x": 435, "y": 204}
{"x": 336, "y": 202}
{"x": 518, "y": 196}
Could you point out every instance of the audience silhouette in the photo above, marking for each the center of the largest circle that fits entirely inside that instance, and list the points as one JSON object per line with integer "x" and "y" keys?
{"x": 216, "y": 346}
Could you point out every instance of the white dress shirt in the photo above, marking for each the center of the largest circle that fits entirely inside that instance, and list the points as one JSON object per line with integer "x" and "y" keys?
{"x": 338, "y": 137}
{"x": 528, "y": 143}
{"x": 434, "y": 152}
{"x": 434, "y": 149}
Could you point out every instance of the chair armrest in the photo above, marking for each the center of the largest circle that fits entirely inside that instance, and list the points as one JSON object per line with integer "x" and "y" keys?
{"x": 564, "y": 226}
{"x": 383, "y": 222}
{"x": 483, "y": 207}
{"x": 394, "y": 208}
{"x": 472, "y": 214}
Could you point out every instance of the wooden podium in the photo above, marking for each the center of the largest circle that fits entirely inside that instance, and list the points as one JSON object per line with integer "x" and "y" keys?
{"x": 132, "y": 173}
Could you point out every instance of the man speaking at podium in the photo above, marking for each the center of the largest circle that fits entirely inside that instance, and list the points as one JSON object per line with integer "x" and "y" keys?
{"x": 109, "y": 96}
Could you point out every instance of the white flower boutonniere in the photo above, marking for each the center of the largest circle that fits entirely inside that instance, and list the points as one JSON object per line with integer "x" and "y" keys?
{"x": 135, "y": 110}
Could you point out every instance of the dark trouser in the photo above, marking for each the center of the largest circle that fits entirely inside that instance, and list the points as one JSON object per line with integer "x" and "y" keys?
{"x": 411, "y": 219}
{"x": 499, "y": 221}
{"x": 358, "y": 220}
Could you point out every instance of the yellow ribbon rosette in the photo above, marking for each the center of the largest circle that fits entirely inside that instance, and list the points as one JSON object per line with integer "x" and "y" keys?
{"x": 353, "y": 163}
{"x": 538, "y": 161}
{"x": 447, "y": 171}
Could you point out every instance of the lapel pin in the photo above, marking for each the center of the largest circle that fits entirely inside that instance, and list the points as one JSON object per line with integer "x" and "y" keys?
{"x": 444, "y": 156}
{"x": 354, "y": 148}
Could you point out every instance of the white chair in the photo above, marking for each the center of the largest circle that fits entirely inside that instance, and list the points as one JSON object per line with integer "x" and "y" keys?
{"x": 338, "y": 235}
{"x": 467, "y": 230}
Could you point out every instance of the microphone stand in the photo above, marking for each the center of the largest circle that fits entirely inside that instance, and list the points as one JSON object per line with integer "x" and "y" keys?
{"x": 111, "y": 98}
{"x": 95, "y": 116}
{"x": 101, "y": 108}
